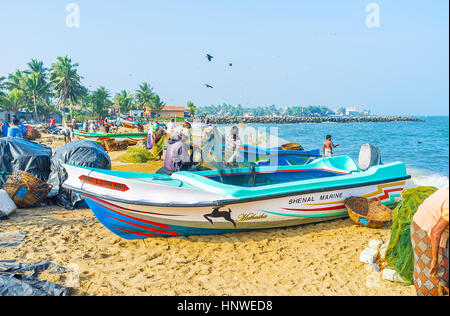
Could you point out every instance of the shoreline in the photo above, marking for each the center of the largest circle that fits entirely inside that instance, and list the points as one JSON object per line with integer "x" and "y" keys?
{"x": 293, "y": 120}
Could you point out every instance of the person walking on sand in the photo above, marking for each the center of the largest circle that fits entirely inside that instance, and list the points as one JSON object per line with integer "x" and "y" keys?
{"x": 328, "y": 147}
{"x": 429, "y": 239}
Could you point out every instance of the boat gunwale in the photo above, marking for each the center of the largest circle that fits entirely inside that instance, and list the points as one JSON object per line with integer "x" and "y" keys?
{"x": 94, "y": 135}
{"x": 237, "y": 200}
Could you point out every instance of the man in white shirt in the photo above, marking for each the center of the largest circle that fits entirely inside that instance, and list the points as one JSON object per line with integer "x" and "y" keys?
{"x": 171, "y": 126}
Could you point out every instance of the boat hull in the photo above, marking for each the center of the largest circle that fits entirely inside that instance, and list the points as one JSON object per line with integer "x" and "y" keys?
{"x": 129, "y": 124}
{"x": 135, "y": 221}
{"x": 132, "y": 138}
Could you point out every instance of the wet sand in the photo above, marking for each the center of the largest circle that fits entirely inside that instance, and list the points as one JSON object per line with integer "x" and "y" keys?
{"x": 315, "y": 259}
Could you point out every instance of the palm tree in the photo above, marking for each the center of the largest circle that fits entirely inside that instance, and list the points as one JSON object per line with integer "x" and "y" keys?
{"x": 37, "y": 67}
{"x": 144, "y": 95}
{"x": 191, "y": 108}
{"x": 14, "y": 80}
{"x": 156, "y": 105}
{"x": 124, "y": 101}
{"x": 99, "y": 101}
{"x": 2, "y": 86}
{"x": 12, "y": 101}
{"x": 35, "y": 88}
{"x": 66, "y": 82}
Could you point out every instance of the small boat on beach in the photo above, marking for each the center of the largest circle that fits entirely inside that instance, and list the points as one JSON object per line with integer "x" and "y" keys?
{"x": 129, "y": 124}
{"x": 133, "y": 138}
{"x": 140, "y": 205}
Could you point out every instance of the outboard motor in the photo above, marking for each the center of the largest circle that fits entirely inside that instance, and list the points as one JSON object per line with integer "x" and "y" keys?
{"x": 369, "y": 156}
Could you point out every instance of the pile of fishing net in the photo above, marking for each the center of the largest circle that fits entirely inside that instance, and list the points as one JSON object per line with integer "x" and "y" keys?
{"x": 32, "y": 134}
{"x": 399, "y": 253}
{"x": 113, "y": 145}
{"x": 135, "y": 155}
{"x": 139, "y": 155}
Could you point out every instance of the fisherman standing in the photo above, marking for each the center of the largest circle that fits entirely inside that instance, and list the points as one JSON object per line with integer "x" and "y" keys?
{"x": 328, "y": 147}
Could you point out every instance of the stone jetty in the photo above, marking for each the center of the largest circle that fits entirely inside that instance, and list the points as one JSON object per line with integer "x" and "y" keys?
{"x": 292, "y": 120}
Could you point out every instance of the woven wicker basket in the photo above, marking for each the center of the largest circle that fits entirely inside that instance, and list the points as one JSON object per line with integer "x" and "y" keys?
{"x": 25, "y": 189}
{"x": 292, "y": 146}
{"x": 368, "y": 213}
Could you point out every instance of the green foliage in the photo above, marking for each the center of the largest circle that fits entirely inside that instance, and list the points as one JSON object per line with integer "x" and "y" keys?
{"x": 341, "y": 111}
{"x": 156, "y": 105}
{"x": 2, "y": 87}
{"x": 125, "y": 101}
{"x": 66, "y": 82}
{"x": 99, "y": 102}
{"x": 144, "y": 95}
{"x": 191, "y": 108}
{"x": 230, "y": 110}
{"x": 36, "y": 90}
{"x": 12, "y": 101}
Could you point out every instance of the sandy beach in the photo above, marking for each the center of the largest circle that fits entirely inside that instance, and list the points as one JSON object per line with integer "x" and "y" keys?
{"x": 315, "y": 259}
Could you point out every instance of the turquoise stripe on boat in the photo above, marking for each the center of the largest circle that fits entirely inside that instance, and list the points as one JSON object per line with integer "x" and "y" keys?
{"x": 309, "y": 216}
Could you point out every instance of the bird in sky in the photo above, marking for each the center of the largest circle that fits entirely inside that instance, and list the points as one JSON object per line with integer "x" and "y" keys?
{"x": 210, "y": 58}
{"x": 208, "y": 86}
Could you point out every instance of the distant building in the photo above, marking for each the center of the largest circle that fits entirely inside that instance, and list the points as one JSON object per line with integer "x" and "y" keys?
{"x": 351, "y": 111}
{"x": 137, "y": 113}
{"x": 6, "y": 116}
{"x": 168, "y": 112}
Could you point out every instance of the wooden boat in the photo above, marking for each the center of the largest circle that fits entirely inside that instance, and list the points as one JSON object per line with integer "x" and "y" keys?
{"x": 139, "y": 205}
{"x": 133, "y": 138}
{"x": 129, "y": 124}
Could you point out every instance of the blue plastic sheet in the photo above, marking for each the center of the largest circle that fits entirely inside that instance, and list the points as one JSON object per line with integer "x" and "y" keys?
{"x": 21, "y": 279}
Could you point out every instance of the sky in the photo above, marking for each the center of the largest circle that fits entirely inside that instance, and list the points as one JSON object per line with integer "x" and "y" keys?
{"x": 284, "y": 52}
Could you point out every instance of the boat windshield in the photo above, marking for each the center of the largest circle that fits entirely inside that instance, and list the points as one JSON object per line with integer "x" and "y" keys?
{"x": 230, "y": 167}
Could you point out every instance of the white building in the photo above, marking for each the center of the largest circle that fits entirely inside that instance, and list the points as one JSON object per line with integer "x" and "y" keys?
{"x": 137, "y": 113}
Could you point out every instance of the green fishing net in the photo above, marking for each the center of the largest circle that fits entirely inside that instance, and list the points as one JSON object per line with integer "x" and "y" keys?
{"x": 137, "y": 154}
{"x": 399, "y": 253}
{"x": 134, "y": 155}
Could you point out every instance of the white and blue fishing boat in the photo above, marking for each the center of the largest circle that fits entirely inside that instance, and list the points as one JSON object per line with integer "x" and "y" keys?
{"x": 139, "y": 205}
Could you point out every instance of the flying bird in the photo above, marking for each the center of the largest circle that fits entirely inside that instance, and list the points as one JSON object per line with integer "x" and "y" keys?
{"x": 210, "y": 58}
{"x": 208, "y": 86}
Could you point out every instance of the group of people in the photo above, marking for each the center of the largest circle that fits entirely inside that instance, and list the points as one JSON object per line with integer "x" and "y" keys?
{"x": 90, "y": 126}
{"x": 179, "y": 152}
{"x": 16, "y": 129}
{"x": 182, "y": 153}
{"x": 180, "y": 148}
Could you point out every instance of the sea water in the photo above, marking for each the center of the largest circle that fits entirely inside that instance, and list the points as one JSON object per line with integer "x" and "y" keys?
{"x": 422, "y": 146}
